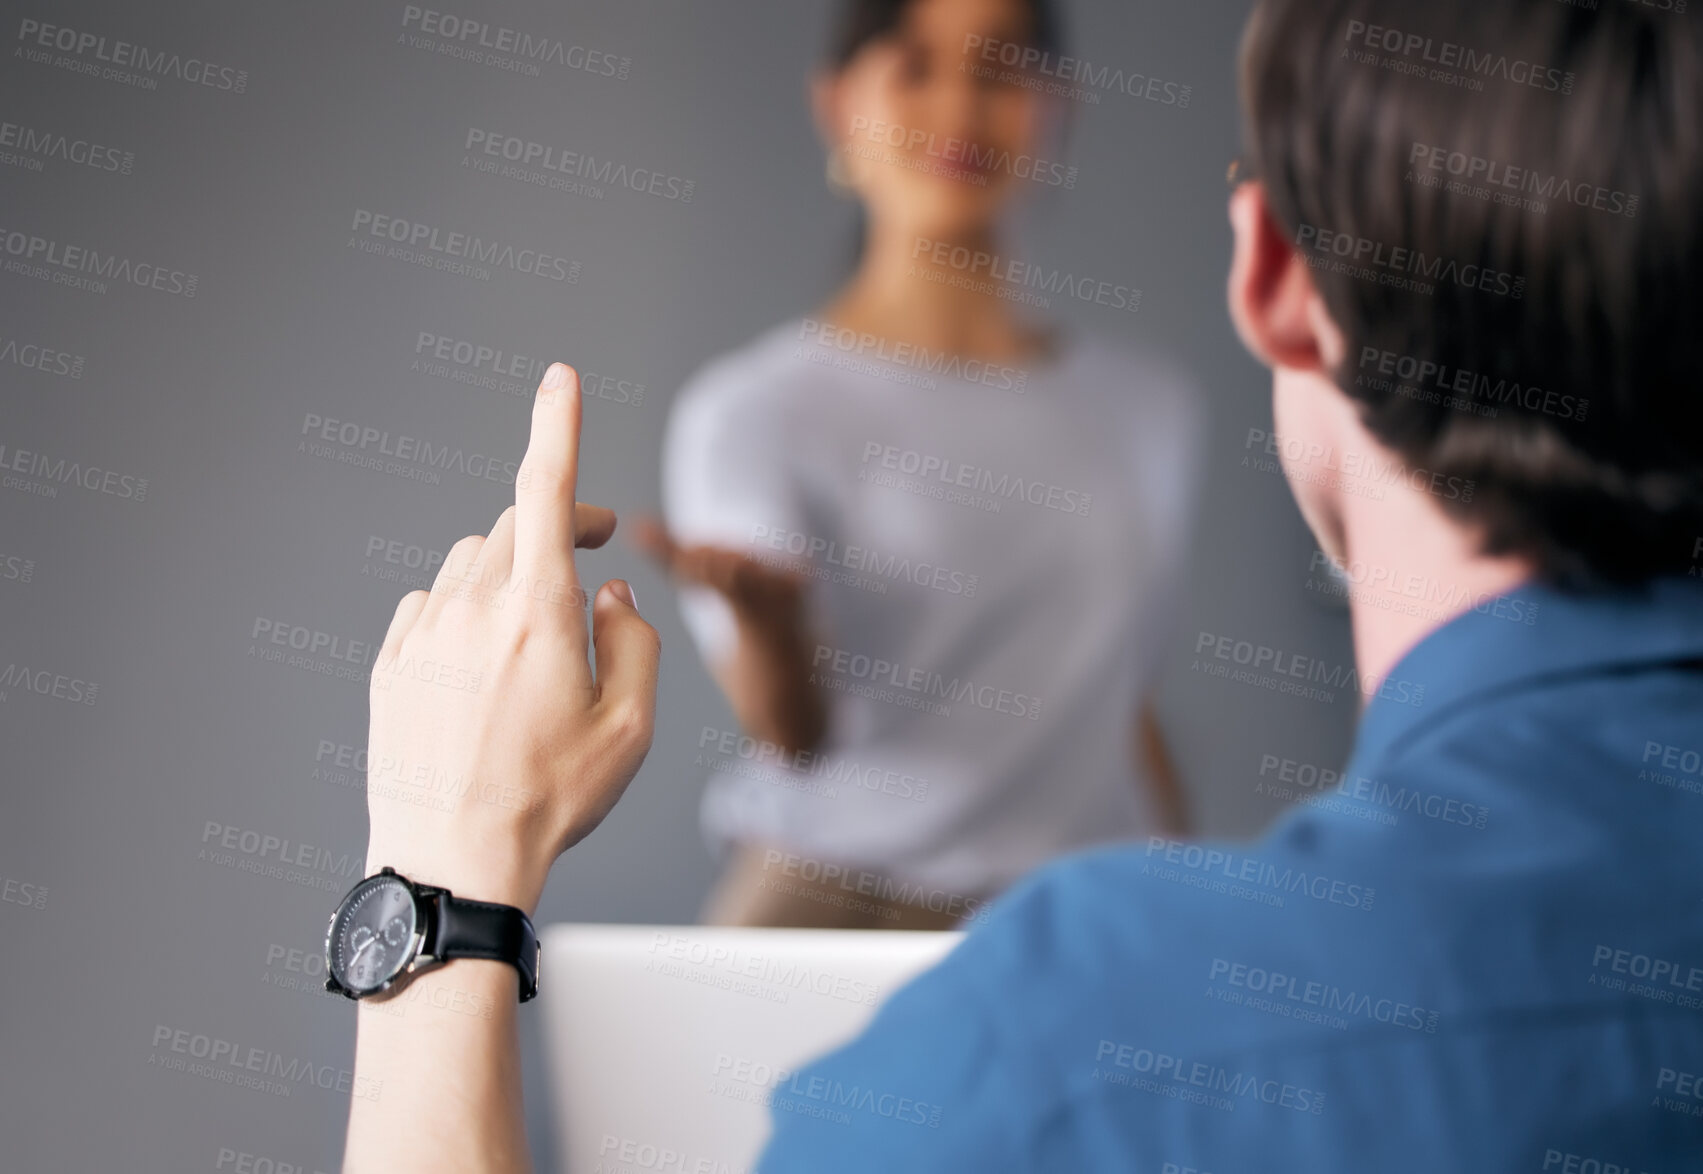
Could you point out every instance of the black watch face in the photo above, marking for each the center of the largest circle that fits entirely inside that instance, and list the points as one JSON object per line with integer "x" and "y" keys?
{"x": 372, "y": 938}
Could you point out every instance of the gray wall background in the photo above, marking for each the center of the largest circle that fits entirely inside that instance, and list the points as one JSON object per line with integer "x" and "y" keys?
{"x": 115, "y": 926}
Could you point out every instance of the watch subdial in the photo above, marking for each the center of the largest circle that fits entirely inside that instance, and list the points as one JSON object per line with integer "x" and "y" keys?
{"x": 368, "y": 963}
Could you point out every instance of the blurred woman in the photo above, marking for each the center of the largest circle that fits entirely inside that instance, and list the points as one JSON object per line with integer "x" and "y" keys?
{"x": 908, "y": 545}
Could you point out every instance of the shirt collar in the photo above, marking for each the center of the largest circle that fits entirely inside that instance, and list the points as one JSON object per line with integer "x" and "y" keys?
{"x": 1495, "y": 647}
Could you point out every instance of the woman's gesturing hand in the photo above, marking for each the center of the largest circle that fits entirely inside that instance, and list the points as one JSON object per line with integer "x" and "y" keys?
{"x": 755, "y": 590}
{"x": 767, "y": 677}
{"x": 494, "y": 745}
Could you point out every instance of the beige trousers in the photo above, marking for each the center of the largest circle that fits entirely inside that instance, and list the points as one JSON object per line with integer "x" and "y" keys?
{"x": 753, "y": 891}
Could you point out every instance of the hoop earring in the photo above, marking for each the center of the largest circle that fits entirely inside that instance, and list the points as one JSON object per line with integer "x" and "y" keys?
{"x": 838, "y": 174}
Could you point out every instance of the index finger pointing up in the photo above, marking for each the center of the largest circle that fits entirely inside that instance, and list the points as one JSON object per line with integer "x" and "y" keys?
{"x": 544, "y": 487}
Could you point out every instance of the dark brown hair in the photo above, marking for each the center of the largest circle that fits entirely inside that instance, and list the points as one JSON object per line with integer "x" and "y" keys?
{"x": 862, "y": 21}
{"x": 1511, "y": 192}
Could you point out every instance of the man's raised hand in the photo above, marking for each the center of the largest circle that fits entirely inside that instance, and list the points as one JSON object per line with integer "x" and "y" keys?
{"x": 498, "y": 738}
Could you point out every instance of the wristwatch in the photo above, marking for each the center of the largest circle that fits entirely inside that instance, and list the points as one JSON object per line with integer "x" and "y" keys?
{"x": 389, "y": 928}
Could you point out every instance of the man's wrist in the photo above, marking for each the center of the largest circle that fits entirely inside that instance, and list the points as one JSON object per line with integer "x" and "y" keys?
{"x": 497, "y": 879}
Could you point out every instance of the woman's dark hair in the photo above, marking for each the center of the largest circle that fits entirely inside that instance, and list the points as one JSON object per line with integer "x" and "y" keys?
{"x": 1502, "y": 205}
{"x": 862, "y": 21}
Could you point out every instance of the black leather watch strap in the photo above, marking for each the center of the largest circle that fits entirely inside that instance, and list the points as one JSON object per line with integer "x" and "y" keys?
{"x": 478, "y": 929}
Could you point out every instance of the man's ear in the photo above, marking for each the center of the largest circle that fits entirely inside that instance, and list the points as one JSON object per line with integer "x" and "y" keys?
{"x": 1276, "y": 308}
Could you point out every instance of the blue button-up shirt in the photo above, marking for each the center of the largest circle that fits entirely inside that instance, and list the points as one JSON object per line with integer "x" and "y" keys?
{"x": 1479, "y": 948}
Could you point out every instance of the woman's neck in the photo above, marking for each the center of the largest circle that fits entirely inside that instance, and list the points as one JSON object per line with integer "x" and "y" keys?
{"x": 931, "y": 292}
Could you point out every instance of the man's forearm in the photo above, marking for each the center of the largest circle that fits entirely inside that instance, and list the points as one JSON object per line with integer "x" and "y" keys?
{"x": 437, "y": 1076}
{"x": 441, "y": 1054}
